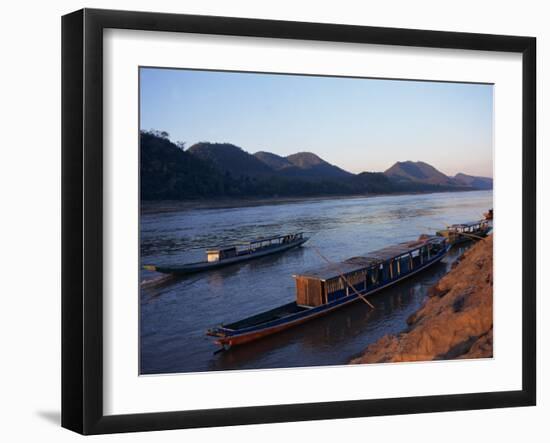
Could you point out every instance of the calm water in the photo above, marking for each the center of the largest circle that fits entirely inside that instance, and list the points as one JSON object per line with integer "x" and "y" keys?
{"x": 175, "y": 313}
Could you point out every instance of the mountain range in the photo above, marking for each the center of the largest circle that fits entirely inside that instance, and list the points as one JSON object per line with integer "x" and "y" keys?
{"x": 420, "y": 172}
{"x": 237, "y": 162}
{"x": 213, "y": 170}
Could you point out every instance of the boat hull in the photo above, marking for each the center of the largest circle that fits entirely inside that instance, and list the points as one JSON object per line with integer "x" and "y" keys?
{"x": 194, "y": 268}
{"x": 227, "y": 338}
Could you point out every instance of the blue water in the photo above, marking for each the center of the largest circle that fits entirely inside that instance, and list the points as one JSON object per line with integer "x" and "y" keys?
{"x": 175, "y": 313}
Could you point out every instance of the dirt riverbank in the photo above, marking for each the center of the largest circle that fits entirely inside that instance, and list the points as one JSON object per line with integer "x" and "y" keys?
{"x": 455, "y": 322}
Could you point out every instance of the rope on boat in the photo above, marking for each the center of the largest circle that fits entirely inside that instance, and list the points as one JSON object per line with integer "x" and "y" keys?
{"x": 341, "y": 275}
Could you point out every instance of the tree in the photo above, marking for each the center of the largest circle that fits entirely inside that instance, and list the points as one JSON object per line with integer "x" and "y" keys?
{"x": 156, "y": 133}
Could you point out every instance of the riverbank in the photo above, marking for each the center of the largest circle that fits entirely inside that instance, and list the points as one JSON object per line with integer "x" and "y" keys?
{"x": 159, "y": 206}
{"x": 455, "y": 322}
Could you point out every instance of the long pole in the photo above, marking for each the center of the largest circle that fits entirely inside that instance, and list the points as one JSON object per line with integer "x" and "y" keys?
{"x": 341, "y": 275}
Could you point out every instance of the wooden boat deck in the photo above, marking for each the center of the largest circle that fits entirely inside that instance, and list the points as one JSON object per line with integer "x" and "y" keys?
{"x": 265, "y": 317}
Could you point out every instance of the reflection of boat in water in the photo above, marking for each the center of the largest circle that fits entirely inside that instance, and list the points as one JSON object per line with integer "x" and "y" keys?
{"x": 224, "y": 256}
{"x": 463, "y": 232}
{"x": 323, "y": 290}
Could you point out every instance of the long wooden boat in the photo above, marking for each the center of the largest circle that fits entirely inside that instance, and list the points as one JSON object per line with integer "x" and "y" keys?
{"x": 229, "y": 255}
{"x": 463, "y": 232}
{"x": 321, "y": 291}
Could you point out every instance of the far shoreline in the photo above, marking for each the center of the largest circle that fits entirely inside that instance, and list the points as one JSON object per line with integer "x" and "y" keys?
{"x": 158, "y": 206}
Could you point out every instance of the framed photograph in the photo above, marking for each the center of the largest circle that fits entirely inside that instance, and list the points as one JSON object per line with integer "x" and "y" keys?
{"x": 269, "y": 221}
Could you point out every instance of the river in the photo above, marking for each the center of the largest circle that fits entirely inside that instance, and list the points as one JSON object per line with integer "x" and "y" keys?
{"x": 176, "y": 312}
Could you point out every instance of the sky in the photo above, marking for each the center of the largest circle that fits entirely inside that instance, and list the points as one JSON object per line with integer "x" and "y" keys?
{"x": 357, "y": 124}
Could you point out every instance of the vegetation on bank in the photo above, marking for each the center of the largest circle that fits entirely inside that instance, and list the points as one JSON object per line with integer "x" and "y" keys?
{"x": 222, "y": 170}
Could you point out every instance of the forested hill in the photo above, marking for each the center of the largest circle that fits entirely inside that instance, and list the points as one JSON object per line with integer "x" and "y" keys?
{"x": 217, "y": 170}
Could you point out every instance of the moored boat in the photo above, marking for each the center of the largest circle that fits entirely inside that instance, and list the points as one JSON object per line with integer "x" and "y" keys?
{"x": 229, "y": 255}
{"x": 323, "y": 290}
{"x": 463, "y": 232}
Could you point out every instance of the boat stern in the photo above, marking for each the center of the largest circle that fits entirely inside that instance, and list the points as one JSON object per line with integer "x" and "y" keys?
{"x": 219, "y": 332}
{"x": 215, "y": 332}
{"x": 222, "y": 337}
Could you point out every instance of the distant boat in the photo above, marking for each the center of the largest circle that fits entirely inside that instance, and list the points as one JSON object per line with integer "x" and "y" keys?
{"x": 463, "y": 232}
{"x": 333, "y": 286}
{"x": 229, "y": 255}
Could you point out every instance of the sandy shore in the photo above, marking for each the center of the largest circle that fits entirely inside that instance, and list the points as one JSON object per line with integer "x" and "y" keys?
{"x": 455, "y": 322}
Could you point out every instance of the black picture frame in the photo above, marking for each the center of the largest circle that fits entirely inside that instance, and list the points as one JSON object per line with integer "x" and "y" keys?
{"x": 82, "y": 218}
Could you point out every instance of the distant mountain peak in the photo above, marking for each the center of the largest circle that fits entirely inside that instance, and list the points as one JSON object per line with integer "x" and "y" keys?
{"x": 273, "y": 160}
{"x": 230, "y": 159}
{"x": 214, "y": 146}
{"x": 474, "y": 181}
{"x": 305, "y": 159}
{"x": 302, "y": 165}
{"x": 463, "y": 175}
{"x": 313, "y": 166}
{"x": 418, "y": 172}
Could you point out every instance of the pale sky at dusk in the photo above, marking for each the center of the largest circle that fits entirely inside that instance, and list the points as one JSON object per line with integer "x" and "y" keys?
{"x": 356, "y": 124}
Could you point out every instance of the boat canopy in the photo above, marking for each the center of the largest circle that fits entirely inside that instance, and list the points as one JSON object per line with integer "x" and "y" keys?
{"x": 371, "y": 259}
{"x": 293, "y": 236}
{"x": 284, "y": 238}
{"x": 221, "y": 254}
{"x": 470, "y": 224}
